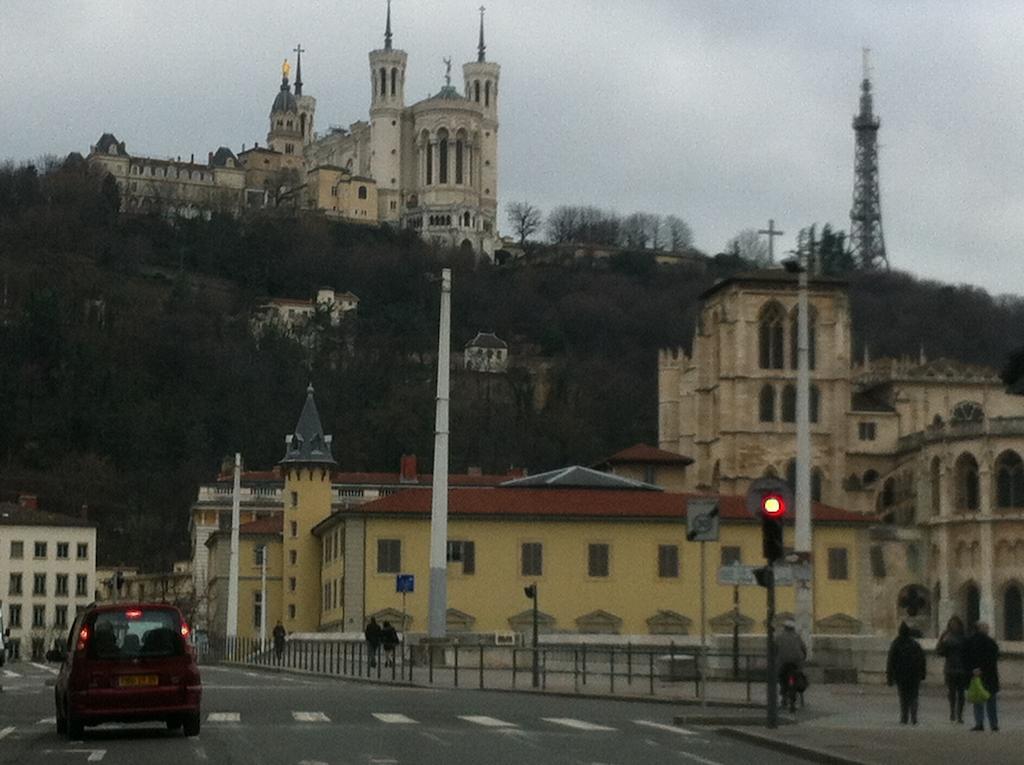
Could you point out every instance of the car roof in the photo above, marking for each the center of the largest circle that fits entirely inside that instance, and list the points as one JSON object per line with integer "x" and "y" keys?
{"x": 125, "y": 605}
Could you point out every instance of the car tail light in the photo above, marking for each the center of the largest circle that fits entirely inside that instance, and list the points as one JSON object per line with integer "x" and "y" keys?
{"x": 134, "y": 613}
{"x": 185, "y": 631}
{"x": 83, "y": 638}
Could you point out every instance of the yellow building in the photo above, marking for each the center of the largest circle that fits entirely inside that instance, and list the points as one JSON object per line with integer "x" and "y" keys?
{"x": 253, "y": 538}
{"x": 608, "y": 555}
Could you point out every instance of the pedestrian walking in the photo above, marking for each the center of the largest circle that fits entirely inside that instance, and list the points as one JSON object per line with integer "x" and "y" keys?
{"x": 790, "y": 655}
{"x": 906, "y": 669}
{"x": 951, "y": 648}
{"x": 981, "y": 658}
{"x": 389, "y": 639}
{"x": 373, "y": 636}
{"x": 279, "y": 635}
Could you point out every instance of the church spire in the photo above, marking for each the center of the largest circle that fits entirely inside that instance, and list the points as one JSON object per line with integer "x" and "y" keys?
{"x": 481, "y": 47}
{"x": 298, "y": 69}
{"x": 387, "y": 29}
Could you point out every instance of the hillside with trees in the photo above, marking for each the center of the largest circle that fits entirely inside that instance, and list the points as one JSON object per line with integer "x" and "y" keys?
{"x": 128, "y": 370}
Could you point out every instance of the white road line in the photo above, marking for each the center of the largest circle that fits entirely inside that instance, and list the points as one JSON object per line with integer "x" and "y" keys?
{"x": 488, "y": 722}
{"x": 43, "y": 667}
{"x": 9, "y": 673}
{"x": 200, "y": 753}
{"x": 663, "y": 726}
{"x": 7, "y": 731}
{"x": 96, "y": 755}
{"x": 310, "y": 717}
{"x": 226, "y": 717}
{"x": 47, "y": 721}
{"x": 569, "y": 722}
{"x": 697, "y": 758}
{"x": 390, "y": 717}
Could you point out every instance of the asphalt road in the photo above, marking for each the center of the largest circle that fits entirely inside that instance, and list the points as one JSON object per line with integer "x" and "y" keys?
{"x": 257, "y": 718}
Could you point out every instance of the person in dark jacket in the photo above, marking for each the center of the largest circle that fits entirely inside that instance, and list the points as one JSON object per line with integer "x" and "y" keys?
{"x": 981, "y": 657}
{"x": 279, "y": 635}
{"x": 373, "y": 636}
{"x": 906, "y": 669}
{"x": 389, "y": 639}
{"x": 951, "y": 648}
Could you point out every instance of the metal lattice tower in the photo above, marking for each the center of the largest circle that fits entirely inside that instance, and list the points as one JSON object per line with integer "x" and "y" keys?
{"x": 866, "y": 241}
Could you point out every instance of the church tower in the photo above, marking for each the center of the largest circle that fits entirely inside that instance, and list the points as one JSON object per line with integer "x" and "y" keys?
{"x": 306, "y": 104}
{"x": 285, "y": 134}
{"x": 307, "y": 466}
{"x": 481, "y": 78}
{"x": 387, "y": 79}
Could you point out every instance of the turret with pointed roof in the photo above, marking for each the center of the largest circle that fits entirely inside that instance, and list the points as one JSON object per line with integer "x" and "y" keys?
{"x": 308, "y": 445}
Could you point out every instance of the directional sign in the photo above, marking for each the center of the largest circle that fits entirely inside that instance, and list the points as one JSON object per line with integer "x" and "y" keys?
{"x": 702, "y": 519}
{"x": 738, "y": 574}
{"x": 405, "y": 583}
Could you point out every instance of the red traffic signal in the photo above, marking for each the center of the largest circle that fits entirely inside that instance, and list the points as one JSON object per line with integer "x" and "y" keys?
{"x": 773, "y": 505}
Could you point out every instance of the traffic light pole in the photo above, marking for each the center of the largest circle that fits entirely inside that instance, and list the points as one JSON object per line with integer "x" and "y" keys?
{"x": 773, "y": 677}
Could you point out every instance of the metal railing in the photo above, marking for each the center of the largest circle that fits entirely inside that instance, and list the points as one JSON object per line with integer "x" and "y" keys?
{"x": 665, "y": 671}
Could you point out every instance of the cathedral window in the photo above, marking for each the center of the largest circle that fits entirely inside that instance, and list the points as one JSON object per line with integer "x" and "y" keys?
{"x": 430, "y": 163}
{"x": 936, "y": 484}
{"x": 362, "y": 192}
{"x": 815, "y": 399}
{"x": 394, "y": 82}
{"x": 458, "y": 160}
{"x": 767, "y": 403}
{"x": 789, "y": 403}
{"x": 967, "y": 495}
{"x": 1009, "y": 481}
{"x": 967, "y": 411}
{"x": 288, "y": 148}
{"x": 770, "y": 336}
{"x": 476, "y": 91}
{"x": 383, "y": 81}
{"x": 442, "y": 156}
{"x": 811, "y": 338}
{"x": 302, "y": 124}
{"x": 487, "y": 93}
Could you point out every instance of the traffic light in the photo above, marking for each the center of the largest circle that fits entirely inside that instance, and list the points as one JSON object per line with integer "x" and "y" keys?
{"x": 530, "y": 591}
{"x": 770, "y": 499}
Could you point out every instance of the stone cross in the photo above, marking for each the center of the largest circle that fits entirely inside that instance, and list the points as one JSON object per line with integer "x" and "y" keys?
{"x": 771, "y": 232}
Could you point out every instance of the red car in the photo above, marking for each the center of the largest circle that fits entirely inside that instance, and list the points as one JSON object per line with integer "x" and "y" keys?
{"x": 127, "y": 662}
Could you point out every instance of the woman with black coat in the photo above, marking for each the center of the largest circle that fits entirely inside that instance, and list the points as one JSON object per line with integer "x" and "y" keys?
{"x": 951, "y": 647}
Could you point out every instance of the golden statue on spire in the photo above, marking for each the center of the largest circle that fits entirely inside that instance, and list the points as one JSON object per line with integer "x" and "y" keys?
{"x": 286, "y": 69}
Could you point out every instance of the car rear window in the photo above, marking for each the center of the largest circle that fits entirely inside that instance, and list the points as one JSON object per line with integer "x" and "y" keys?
{"x": 135, "y": 633}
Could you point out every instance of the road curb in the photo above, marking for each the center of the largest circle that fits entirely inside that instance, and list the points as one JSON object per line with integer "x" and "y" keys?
{"x": 809, "y": 753}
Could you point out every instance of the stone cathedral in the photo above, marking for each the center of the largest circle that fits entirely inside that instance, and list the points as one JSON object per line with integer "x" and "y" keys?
{"x": 431, "y": 166}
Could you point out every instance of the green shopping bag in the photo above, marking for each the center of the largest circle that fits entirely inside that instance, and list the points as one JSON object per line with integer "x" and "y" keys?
{"x": 976, "y": 693}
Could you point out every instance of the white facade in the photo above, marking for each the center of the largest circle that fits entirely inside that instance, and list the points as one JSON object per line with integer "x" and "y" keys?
{"x": 47, "y": 573}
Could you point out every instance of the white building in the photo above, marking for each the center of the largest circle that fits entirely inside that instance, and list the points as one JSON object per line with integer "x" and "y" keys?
{"x": 293, "y": 316}
{"x": 47, "y": 573}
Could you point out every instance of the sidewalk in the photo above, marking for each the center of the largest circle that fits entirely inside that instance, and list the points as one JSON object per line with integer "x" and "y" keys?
{"x": 857, "y": 723}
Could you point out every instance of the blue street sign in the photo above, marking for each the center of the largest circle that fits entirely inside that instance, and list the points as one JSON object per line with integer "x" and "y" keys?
{"x": 405, "y": 583}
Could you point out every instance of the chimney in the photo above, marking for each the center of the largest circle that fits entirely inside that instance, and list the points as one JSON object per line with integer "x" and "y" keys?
{"x": 192, "y": 161}
{"x": 28, "y": 501}
{"x": 83, "y": 512}
{"x": 407, "y": 469}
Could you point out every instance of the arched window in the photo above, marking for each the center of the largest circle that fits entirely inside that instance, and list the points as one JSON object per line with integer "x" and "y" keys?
{"x": 935, "y": 478}
{"x": 815, "y": 400}
{"x": 383, "y": 81}
{"x": 967, "y": 411}
{"x": 972, "y": 604}
{"x": 967, "y": 482}
{"x": 816, "y": 480}
{"x": 458, "y": 160}
{"x": 476, "y": 91}
{"x": 770, "y": 336}
{"x": 869, "y": 477}
{"x": 302, "y": 124}
{"x": 767, "y": 406}
{"x": 789, "y": 403}
{"x": 430, "y": 163}
{"x": 442, "y": 156}
{"x": 1013, "y": 613}
{"x": 362, "y": 192}
{"x": 812, "y": 320}
{"x": 1009, "y": 481}
{"x": 394, "y": 81}
{"x": 487, "y": 93}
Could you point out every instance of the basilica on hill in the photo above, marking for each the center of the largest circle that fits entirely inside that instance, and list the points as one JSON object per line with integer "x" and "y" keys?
{"x": 431, "y": 166}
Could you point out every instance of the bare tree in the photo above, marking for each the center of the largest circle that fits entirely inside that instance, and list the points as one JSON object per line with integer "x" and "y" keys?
{"x": 525, "y": 220}
{"x": 634, "y": 232}
{"x": 751, "y": 246}
{"x": 597, "y": 226}
{"x": 563, "y": 224}
{"x": 678, "y": 233}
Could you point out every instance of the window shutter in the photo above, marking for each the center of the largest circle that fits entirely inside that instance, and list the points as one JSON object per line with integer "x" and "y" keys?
{"x": 468, "y": 558}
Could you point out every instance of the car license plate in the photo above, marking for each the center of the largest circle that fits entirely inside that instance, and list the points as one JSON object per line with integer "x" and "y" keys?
{"x": 136, "y": 681}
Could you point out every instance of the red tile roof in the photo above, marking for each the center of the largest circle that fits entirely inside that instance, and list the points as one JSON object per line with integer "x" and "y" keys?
{"x": 579, "y": 503}
{"x": 645, "y": 453}
{"x": 271, "y": 525}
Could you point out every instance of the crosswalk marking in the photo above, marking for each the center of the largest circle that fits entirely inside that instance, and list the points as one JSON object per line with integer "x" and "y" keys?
{"x": 310, "y": 717}
{"x": 43, "y": 667}
{"x": 10, "y": 673}
{"x": 7, "y": 731}
{"x": 47, "y": 721}
{"x": 391, "y": 717}
{"x": 489, "y": 722}
{"x": 663, "y": 726}
{"x": 569, "y": 722}
{"x": 230, "y": 717}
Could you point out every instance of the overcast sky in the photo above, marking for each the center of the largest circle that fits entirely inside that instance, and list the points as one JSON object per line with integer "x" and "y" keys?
{"x": 725, "y": 113}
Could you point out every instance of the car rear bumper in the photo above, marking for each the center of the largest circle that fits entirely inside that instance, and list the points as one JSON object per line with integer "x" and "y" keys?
{"x": 110, "y": 704}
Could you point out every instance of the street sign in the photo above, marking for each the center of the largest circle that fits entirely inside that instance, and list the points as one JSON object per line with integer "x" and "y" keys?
{"x": 405, "y": 583}
{"x": 702, "y": 519}
{"x": 785, "y": 575}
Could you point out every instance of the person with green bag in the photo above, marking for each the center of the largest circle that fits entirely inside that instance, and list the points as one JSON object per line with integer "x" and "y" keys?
{"x": 981, "y": 656}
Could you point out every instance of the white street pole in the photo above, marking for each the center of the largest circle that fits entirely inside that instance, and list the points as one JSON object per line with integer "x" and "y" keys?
{"x": 263, "y": 598}
{"x": 236, "y": 499}
{"x": 703, "y": 626}
{"x": 437, "y": 616}
{"x": 803, "y": 542}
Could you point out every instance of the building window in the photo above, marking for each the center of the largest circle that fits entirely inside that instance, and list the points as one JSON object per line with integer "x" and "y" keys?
{"x": 17, "y": 550}
{"x": 811, "y": 338}
{"x": 668, "y": 561}
{"x": 532, "y": 559}
{"x": 14, "y": 585}
{"x": 257, "y": 555}
{"x": 295, "y": 499}
{"x": 257, "y": 609}
{"x": 293, "y": 557}
{"x": 767, "y": 403}
{"x": 597, "y": 560}
{"x": 815, "y": 400}
{"x": 39, "y": 584}
{"x": 838, "y": 566}
{"x": 362, "y": 192}
{"x": 1009, "y": 481}
{"x": 293, "y": 527}
{"x": 291, "y": 584}
{"x": 82, "y": 551}
{"x": 770, "y": 336}
{"x": 476, "y": 91}
{"x": 430, "y": 163}
{"x": 816, "y": 479}
{"x": 61, "y": 585}
{"x": 442, "y": 158}
{"x": 731, "y": 555}
{"x": 458, "y": 160}
{"x": 389, "y": 556}
{"x": 464, "y": 553}
{"x": 789, "y": 403}
{"x": 291, "y": 610}
{"x": 40, "y": 549}
{"x": 967, "y": 482}
{"x": 38, "y": 616}
{"x": 60, "y": 616}
{"x": 63, "y": 551}
{"x": 81, "y": 584}
{"x": 393, "y": 205}
{"x": 866, "y": 431}
{"x": 487, "y": 93}
{"x": 15, "y": 615}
